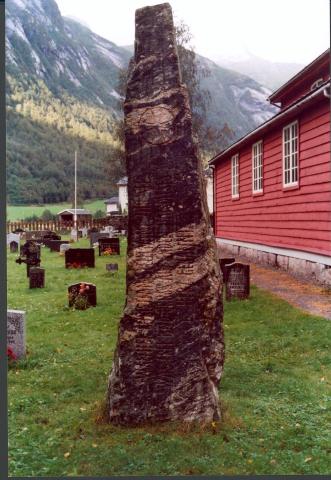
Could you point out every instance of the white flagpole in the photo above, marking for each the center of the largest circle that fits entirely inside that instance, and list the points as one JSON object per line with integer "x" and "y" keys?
{"x": 75, "y": 215}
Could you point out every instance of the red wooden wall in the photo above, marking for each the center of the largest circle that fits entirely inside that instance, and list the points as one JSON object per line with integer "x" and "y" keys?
{"x": 298, "y": 218}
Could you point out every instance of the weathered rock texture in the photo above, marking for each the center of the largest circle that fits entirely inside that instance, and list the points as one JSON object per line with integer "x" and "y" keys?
{"x": 169, "y": 354}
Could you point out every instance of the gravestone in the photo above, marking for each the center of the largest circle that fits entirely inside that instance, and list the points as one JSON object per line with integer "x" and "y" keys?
{"x": 112, "y": 267}
{"x": 74, "y": 235}
{"x": 13, "y": 246}
{"x": 111, "y": 245}
{"x": 37, "y": 277}
{"x": 64, "y": 247}
{"x": 169, "y": 356}
{"x": 49, "y": 235}
{"x": 54, "y": 245}
{"x": 237, "y": 284}
{"x": 29, "y": 254}
{"x": 16, "y": 332}
{"x": 84, "y": 232}
{"x": 79, "y": 258}
{"x": 94, "y": 237}
{"x": 83, "y": 289}
{"x": 13, "y": 237}
{"x": 92, "y": 230}
{"x": 225, "y": 261}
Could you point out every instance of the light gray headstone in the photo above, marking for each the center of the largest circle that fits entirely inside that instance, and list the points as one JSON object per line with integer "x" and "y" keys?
{"x": 13, "y": 237}
{"x": 64, "y": 247}
{"x": 16, "y": 332}
{"x": 74, "y": 235}
{"x": 108, "y": 229}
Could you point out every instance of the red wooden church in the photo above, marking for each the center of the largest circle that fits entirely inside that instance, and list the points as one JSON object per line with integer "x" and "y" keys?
{"x": 272, "y": 188}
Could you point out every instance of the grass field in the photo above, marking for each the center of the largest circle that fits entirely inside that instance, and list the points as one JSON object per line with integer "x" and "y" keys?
{"x": 275, "y": 391}
{"x": 19, "y": 212}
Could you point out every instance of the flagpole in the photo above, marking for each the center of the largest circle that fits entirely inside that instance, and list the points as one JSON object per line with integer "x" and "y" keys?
{"x": 75, "y": 214}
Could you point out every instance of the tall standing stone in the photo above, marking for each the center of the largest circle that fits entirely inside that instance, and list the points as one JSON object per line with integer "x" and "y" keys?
{"x": 169, "y": 355}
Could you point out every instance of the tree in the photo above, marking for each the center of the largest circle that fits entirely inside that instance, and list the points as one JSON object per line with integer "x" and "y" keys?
{"x": 210, "y": 139}
{"x": 47, "y": 215}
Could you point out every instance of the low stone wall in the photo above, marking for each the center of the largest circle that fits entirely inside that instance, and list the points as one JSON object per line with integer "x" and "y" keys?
{"x": 314, "y": 272}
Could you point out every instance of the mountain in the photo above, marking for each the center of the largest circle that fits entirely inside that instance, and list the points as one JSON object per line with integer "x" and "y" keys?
{"x": 265, "y": 72}
{"x": 236, "y": 99}
{"x": 62, "y": 95}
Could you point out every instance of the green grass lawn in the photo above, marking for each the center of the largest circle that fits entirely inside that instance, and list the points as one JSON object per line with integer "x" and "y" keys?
{"x": 275, "y": 391}
{"x": 19, "y": 212}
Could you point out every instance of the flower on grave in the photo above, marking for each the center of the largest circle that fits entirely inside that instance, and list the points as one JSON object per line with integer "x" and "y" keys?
{"x": 108, "y": 251}
{"x": 10, "y": 354}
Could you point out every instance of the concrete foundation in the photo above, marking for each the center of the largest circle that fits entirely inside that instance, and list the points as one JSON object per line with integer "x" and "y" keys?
{"x": 313, "y": 271}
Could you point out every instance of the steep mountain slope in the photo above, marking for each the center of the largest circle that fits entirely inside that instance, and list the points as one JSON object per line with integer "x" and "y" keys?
{"x": 270, "y": 74}
{"x": 236, "y": 99}
{"x": 62, "y": 95}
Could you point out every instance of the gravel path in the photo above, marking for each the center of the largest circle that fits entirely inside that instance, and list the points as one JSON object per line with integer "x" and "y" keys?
{"x": 310, "y": 298}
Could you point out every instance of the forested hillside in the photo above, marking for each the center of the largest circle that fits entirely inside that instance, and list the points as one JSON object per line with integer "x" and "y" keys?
{"x": 42, "y": 134}
{"x": 62, "y": 94}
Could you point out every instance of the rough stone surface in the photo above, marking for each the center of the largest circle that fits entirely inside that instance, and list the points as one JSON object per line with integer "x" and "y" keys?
{"x": 170, "y": 351}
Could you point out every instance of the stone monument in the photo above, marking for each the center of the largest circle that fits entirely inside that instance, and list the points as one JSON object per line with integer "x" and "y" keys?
{"x": 16, "y": 337}
{"x": 237, "y": 281}
{"x": 169, "y": 356}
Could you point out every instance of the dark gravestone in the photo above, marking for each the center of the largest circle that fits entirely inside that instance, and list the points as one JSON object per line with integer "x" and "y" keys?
{"x": 92, "y": 230}
{"x": 54, "y": 245}
{"x": 79, "y": 258}
{"x": 82, "y": 295}
{"x": 112, "y": 267}
{"x": 13, "y": 246}
{"x": 109, "y": 245}
{"x": 223, "y": 262}
{"x": 94, "y": 237}
{"x": 237, "y": 285}
{"x": 49, "y": 235}
{"x": 29, "y": 254}
{"x": 170, "y": 351}
{"x": 37, "y": 277}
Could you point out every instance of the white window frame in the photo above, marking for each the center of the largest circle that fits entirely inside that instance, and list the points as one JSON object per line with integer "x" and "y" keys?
{"x": 257, "y": 167}
{"x": 235, "y": 176}
{"x": 291, "y": 155}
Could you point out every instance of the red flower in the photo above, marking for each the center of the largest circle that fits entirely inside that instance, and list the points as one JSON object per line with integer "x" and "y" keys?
{"x": 10, "y": 354}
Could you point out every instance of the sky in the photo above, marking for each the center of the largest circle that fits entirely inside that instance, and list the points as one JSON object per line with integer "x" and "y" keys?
{"x": 277, "y": 30}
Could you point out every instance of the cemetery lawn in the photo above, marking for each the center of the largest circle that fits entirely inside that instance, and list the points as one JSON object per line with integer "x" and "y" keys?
{"x": 275, "y": 389}
{"x": 19, "y": 212}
